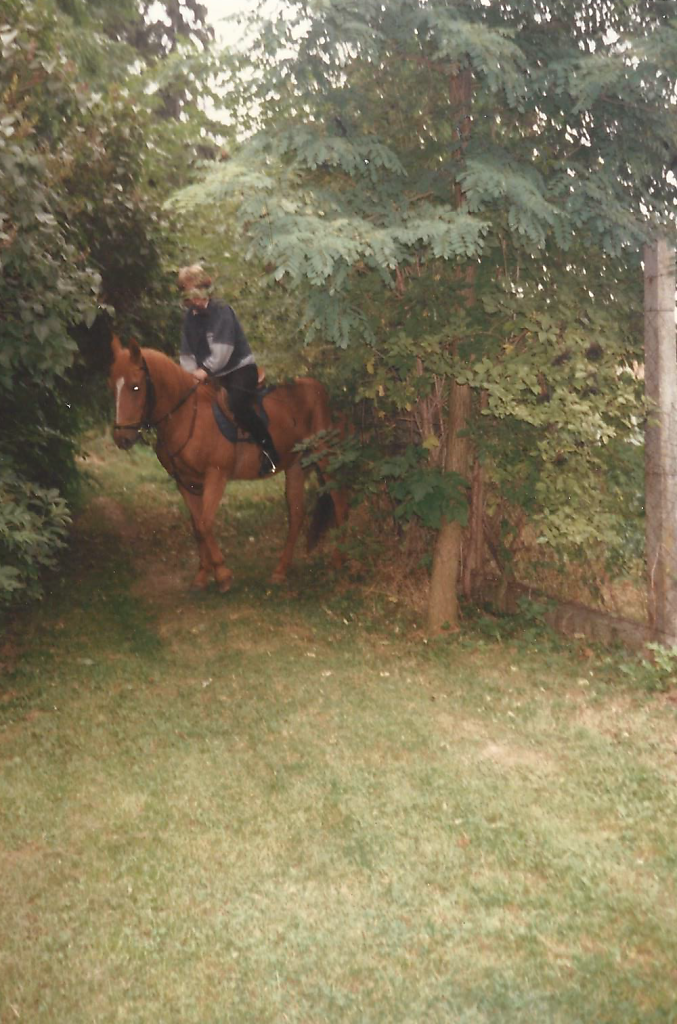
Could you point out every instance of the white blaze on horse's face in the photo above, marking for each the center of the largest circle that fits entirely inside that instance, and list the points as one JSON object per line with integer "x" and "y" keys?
{"x": 119, "y": 384}
{"x": 128, "y": 409}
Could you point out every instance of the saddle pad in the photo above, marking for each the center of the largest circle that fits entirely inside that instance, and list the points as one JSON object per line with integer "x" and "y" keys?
{"x": 227, "y": 425}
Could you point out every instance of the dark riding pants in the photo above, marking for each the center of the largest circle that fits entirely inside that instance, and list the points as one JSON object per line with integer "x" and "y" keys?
{"x": 241, "y": 386}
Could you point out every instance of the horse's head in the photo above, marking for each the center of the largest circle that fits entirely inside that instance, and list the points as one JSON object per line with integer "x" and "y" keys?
{"x": 130, "y": 383}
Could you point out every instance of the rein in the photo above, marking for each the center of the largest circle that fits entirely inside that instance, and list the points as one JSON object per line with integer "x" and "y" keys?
{"x": 191, "y": 488}
{"x": 146, "y": 423}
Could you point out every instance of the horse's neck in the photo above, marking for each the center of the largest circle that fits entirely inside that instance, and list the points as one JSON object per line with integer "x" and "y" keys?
{"x": 170, "y": 382}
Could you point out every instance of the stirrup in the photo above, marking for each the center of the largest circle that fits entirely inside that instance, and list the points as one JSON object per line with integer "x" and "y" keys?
{"x": 267, "y": 467}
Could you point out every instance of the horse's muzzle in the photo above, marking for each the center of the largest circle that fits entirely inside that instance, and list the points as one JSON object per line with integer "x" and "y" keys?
{"x": 126, "y": 437}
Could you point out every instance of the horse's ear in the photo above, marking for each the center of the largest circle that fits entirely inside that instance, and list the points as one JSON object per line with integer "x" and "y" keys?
{"x": 115, "y": 346}
{"x": 134, "y": 351}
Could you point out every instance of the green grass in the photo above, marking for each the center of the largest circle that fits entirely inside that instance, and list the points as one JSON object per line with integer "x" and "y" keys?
{"x": 283, "y": 805}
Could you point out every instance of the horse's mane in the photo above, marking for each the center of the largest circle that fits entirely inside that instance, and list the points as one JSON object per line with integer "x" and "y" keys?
{"x": 165, "y": 365}
{"x": 164, "y": 370}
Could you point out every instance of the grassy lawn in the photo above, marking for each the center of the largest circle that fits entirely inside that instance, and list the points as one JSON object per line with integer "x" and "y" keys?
{"x": 283, "y": 805}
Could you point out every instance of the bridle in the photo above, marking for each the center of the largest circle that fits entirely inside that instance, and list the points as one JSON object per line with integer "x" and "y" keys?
{"x": 147, "y": 423}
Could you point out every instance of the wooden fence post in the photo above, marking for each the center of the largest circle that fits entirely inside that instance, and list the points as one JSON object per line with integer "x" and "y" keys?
{"x": 660, "y": 381}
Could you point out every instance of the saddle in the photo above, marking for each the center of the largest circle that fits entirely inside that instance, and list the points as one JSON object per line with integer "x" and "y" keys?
{"x": 224, "y": 418}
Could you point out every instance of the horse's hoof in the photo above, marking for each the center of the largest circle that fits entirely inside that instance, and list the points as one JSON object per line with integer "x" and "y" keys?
{"x": 224, "y": 582}
{"x": 278, "y": 578}
{"x": 199, "y": 583}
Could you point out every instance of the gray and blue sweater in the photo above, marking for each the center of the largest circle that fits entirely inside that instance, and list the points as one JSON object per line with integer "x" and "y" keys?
{"x": 214, "y": 340}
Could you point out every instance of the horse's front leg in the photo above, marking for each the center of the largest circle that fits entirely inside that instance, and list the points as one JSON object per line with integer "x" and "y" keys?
{"x": 194, "y": 506}
{"x": 294, "y": 484}
{"x": 202, "y": 509}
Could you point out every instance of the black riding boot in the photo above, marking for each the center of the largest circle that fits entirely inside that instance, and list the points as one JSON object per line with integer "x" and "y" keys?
{"x": 241, "y": 388}
{"x": 255, "y": 426}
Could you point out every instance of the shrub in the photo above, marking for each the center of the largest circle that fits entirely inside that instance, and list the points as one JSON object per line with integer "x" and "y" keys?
{"x": 33, "y": 526}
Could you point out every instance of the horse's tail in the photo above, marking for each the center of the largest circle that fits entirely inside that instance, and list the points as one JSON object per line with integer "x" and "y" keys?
{"x": 331, "y": 507}
{"x": 323, "y": 518}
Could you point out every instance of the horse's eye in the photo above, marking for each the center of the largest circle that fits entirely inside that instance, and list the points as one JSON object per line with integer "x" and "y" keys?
{"x": 135, "y": 387}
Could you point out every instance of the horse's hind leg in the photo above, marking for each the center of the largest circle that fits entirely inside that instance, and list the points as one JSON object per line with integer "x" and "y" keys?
{"x": 294, "y": 484}
{"x": 203, "y": 513}
{"x": 322, "y": 420}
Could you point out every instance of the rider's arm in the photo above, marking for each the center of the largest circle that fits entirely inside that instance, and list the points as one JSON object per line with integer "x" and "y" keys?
{"x": 225, "y": 334}
{"x": 186, "y": 357}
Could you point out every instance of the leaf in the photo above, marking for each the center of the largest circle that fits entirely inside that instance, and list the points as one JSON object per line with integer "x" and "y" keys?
{"x": 41, "y": 329}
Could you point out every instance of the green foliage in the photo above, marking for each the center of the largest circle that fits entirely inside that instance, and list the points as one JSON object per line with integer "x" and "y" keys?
{"x": 357, "y": 160}
{"x": 120, "y": 220}
{"x": 47, "y": 422}
{"x": 46, "y": 284}
{"x": 527, "y": 626}
{"x": 654, "y": 671}
{"x": 416, "y": 489}
{"x": 410, "y": 221}
{"x": 340, "y": 459}
{"x": 83, "y": 236}
{"x": 664, "y": 665}
{"x": 33, "y": 527}
{"x": 322, "y": 237}
{"x": 422, "y": 491}
{"x": 506, "y": 225}
{"x": 489, "y": 179}
{"x": 107, "y": 41}
{"x": 563, "y": 379}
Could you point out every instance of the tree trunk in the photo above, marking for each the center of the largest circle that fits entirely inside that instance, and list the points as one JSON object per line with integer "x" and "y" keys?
{"x": 443, "y": 599}
{"x": 660, "y": 378}
{"x": 474, "y": 547}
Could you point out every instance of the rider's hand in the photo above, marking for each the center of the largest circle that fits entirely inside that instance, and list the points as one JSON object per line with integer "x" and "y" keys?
{"x": 200, "y": 374}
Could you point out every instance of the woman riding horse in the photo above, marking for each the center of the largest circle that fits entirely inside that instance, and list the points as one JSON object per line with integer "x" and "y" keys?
{"x": 214, "y": 346}
{"x": 152, "y": 391}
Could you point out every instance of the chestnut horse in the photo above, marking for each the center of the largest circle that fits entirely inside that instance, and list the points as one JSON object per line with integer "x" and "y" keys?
{"x": 151, "y": 390}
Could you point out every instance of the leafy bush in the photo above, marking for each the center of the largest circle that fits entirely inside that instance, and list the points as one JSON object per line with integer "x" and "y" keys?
{"x": 33, "y": 525}
{"x": 422, "y": 491}
{"x": 82, "y": 238}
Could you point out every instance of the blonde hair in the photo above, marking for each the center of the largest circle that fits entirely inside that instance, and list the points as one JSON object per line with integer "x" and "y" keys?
{"x": 194, "y": 276}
